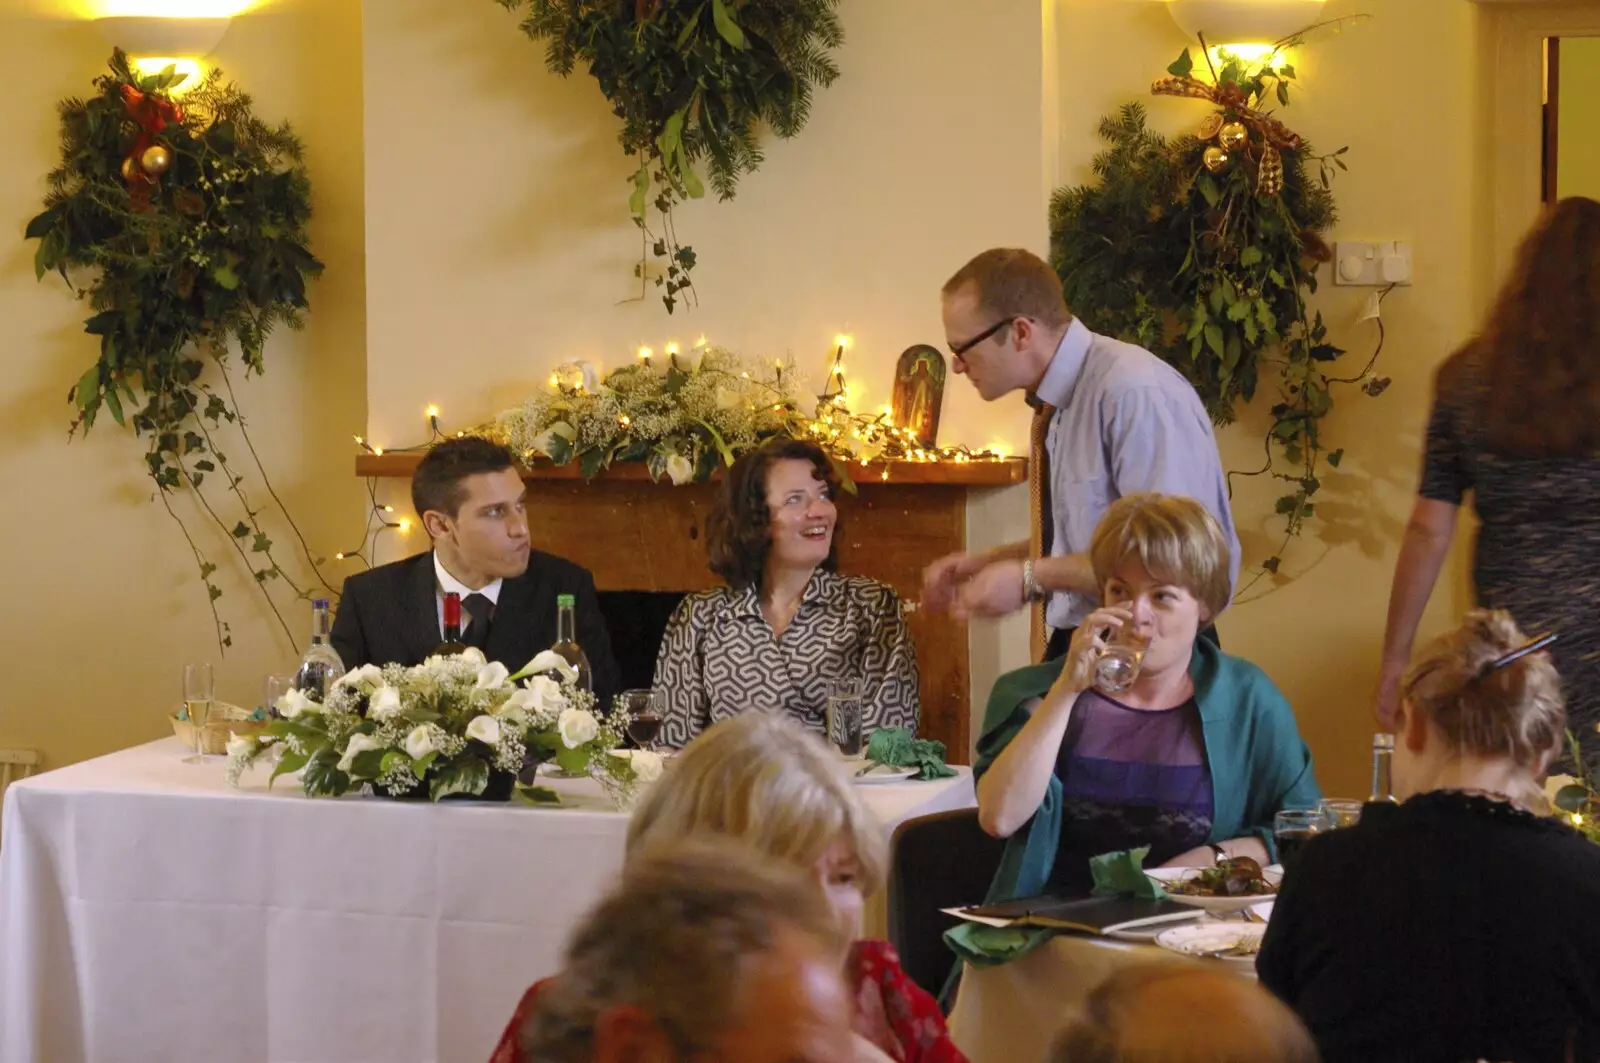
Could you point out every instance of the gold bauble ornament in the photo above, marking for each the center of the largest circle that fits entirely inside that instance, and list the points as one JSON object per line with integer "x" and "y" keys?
{"x": 1215, "y": 158}
{"x": 1233, "y": 135}
{"x": 1210, "y": 127}
{"x": 130, "y": 169}
{"x": 155, "y": 159}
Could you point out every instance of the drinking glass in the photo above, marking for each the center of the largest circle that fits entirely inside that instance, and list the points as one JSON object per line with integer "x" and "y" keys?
{"x": 1292, "y": 828}
{"x": 1340, "y": 812}
{"x": 643, "y": 715}
{"x": 276, "y": 687}
{"x": 197, "y": 695}
{"x": 844, "y": 715}
{"x": 1118, "y": 664}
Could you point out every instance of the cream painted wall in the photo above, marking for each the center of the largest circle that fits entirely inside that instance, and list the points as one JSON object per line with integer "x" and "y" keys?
{"x": 103, "y": 606}
{"x": 1578, "y": 144}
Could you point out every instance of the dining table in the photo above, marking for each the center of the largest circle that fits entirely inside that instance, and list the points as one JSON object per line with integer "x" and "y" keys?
{"x": 151, "y": 913}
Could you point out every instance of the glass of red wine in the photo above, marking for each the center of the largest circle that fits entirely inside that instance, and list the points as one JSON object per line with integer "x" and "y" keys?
{"x": 644, "y": 717}
{"x": 1292, "y": 828}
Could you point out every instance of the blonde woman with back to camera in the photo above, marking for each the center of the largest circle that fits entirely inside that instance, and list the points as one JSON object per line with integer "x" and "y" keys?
{"x": 1458, "y": 924}
{"x": 768, "y": 782}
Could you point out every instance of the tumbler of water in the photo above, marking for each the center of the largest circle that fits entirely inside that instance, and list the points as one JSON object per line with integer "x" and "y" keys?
{"x": 1118, "y": 664}
{"x": 844, "y": 716}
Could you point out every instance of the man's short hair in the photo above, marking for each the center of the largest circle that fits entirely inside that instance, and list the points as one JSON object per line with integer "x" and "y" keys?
{"x": 436, "y": 484}
{"x": 1146, "y": 1014}
{"x": 672, "y": 940}
{"x": 1011, "y": 282}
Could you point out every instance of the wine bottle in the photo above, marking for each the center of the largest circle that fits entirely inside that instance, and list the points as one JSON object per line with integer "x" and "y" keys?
{"x": 321, "y": 664}
{"x": 567, "y": 640}
{"x": 452, "y": 643}
{"x": 1382, "y": 760}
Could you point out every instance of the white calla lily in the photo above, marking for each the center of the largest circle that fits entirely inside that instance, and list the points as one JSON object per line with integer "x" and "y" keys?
{"x": 384, "y": 703}
{"x": 647, "y": 766}
{"x": 548, "y": 661}
{"x": 240, "y": 745}
{"x": 491, "y": 676}
{"x": 358, "y": 743}
{"x": 577, "y": 726}
{"x": 485, "y": 729}
{"x": 680, "y": 470}
{"x": 295, "y": 702}
{"x": 419, "y": 743}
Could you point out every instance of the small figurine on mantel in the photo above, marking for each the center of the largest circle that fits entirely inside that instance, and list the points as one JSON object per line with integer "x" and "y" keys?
{"x": 919, "y": 392}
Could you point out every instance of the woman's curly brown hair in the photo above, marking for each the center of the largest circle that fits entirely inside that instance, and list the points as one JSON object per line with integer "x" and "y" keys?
{"x": 736, "y": 532}
{"x": 1539, "y": 352}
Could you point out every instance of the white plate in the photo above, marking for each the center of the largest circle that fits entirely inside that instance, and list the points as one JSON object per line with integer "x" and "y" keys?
{"x": 883, "y": 773}
{"x": 1166, "y": 876}
{"x": 1198, "y": 939}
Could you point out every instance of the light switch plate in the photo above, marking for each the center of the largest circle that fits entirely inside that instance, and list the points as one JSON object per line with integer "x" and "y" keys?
{"x": 1375, "y": 264}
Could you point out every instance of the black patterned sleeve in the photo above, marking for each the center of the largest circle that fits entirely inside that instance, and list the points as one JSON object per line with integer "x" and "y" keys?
{"x": 1445, "y": 471}
{"x": 680, "y": 674}
{"x": 891, "y": 685}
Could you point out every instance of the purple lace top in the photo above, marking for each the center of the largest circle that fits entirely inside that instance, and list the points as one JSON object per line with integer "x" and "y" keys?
{"x": 1129, "y": 777}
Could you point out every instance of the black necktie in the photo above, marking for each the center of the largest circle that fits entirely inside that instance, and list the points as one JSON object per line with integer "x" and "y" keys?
{"x": 480, "y": 608}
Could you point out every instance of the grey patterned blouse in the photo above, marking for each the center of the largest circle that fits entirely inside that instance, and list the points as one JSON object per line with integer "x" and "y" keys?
{"x": 719, "y": 657}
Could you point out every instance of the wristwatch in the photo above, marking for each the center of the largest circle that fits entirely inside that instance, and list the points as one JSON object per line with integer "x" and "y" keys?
{"x": 1031, "y": 591}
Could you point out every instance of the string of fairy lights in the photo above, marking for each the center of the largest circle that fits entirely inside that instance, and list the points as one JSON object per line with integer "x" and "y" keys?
{"x": 851, "y": 437}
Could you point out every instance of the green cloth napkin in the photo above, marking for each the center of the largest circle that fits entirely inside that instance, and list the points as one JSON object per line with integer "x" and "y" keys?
{"x": 1118, "y": 873}
{"x": 1121, "y": 874}
{"x": 896, "y": 747}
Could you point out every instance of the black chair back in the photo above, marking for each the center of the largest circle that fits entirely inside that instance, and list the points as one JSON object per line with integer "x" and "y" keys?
{"x": 940, "y": 861}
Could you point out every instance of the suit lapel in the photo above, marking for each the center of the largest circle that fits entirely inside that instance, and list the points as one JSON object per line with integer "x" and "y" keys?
{"x": 419, "y": 631}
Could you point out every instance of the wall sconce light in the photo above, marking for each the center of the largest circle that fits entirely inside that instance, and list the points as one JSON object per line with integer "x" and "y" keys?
{"x": 1230, "y": 23}
{"x": 154, "y": 42}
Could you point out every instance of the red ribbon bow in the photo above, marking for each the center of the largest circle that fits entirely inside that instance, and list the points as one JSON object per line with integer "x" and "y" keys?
{"x": 152, "y": 114}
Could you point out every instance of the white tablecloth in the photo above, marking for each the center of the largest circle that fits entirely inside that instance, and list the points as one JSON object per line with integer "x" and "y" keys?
{"x": 149, "y": 914}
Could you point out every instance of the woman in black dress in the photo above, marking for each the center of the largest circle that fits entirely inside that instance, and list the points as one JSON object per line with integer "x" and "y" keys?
{"x": 1516, "y": 421}
{"x": 1458, "y": 925}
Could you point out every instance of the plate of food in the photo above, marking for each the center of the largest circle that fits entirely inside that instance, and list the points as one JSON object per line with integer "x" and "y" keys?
{"x": 872, "y": 773}
{"x": 1231, "y": 886}
{"x": 1236, "y": 943}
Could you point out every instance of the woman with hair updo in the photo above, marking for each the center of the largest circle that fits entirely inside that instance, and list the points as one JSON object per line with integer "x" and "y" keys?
{"x": 1516, "y": 422}
{"x": 787, "y": 622}
{"x": 764, "y": 780}
{"x": 1456, "y": 925}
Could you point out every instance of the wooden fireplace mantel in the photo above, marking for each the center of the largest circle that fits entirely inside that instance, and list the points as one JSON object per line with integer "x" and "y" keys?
{"x": 636, "y": 535}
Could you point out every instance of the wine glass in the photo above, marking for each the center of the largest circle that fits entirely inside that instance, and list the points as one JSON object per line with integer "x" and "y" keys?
{"x": 197, "y": 696}
{"x": 1292, "y": 828}
{"x": 1340, "y": 812}
{"x": 844, "y": 715}
{"x": 644, "y": 717}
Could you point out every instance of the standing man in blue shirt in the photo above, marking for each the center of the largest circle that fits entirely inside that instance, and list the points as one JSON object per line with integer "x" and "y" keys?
{"x": 1110, "y": 419}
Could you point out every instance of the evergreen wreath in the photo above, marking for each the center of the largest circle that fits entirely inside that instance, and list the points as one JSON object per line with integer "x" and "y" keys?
{"x": 1204, "y": 250}
{"x": 190, "y": 221}
{"x": 693, "y": 82}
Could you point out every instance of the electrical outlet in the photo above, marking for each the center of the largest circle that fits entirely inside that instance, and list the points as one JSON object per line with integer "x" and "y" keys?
{"x": 1372, "y": 264}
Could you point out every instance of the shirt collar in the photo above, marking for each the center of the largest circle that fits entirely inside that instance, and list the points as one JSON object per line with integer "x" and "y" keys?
{"x": 448, "y": 583}
{"x": 1066, "y": 366}
{"x": 822, "y": 582}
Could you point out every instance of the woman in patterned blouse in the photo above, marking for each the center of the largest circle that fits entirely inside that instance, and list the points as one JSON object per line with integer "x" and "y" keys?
{"x": 786, "y": 623}
{"x": 1516, "y": 423}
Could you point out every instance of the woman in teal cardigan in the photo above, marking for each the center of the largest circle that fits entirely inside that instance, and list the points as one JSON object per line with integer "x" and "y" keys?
{"x": 1193, "y": 760}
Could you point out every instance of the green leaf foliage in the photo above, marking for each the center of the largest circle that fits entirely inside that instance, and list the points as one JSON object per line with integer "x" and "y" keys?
{"x": 468, "y": 775}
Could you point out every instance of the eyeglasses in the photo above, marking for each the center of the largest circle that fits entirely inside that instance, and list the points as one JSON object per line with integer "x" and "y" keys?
{"x": 959, "y": 350}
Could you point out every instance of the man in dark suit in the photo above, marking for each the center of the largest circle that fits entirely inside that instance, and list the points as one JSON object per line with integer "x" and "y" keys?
{"x": 471, "y": 499}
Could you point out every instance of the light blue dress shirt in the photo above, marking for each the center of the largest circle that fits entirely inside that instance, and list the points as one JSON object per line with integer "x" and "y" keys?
{"x": 1125, "y": 422}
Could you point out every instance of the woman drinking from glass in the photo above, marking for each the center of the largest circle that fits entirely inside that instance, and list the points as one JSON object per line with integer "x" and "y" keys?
{"x": 1188, "y": 750}
{"x": 787, "y": 624}
{"x": 1454, "y": 925}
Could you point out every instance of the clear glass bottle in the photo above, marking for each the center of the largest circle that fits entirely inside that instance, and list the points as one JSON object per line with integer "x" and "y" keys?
{"x": 567, "y": 640}
{"x": 1382, "y": 762}
{"x": 321, "y": 664}
{"x": 452, "y": 643}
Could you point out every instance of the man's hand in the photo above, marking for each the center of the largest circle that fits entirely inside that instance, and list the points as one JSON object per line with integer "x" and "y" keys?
{"x": 1386, "y": 699}
{"x": 942, "y": 580}
{"x": 995, "y": 591}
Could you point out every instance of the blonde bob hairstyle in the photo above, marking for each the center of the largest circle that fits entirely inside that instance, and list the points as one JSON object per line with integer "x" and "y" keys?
{"x": 767, "y": 781}
{"x": 1516, "y": 711}
{"x": 1176, "y": 540}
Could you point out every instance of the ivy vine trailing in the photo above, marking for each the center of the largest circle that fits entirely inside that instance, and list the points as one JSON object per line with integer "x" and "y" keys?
{"x": 693, "y": 81}
{"x": 1204, "y": 249}
{"x": 185, "y": 224}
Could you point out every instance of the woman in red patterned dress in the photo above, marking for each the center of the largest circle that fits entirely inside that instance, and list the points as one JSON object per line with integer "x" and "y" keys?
{"x": 766, "y": 780}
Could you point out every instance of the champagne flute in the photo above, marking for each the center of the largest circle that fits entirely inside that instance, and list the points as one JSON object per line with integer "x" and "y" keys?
{"x": 197, "y": 696}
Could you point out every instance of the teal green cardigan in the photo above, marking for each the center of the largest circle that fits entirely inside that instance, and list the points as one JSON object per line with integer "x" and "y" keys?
{"x": 1259, "y": 764}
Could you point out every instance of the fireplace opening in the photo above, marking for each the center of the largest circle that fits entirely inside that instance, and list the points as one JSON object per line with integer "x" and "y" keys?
{"x": 636, "y": 622}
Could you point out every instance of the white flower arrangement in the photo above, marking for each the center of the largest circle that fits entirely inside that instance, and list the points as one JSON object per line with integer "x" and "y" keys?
{"x": 700, "y": 408}
{"x": 442, "y": 727}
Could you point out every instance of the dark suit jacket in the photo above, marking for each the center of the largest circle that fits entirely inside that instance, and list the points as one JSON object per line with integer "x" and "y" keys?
{"x": 390, "y": 615}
